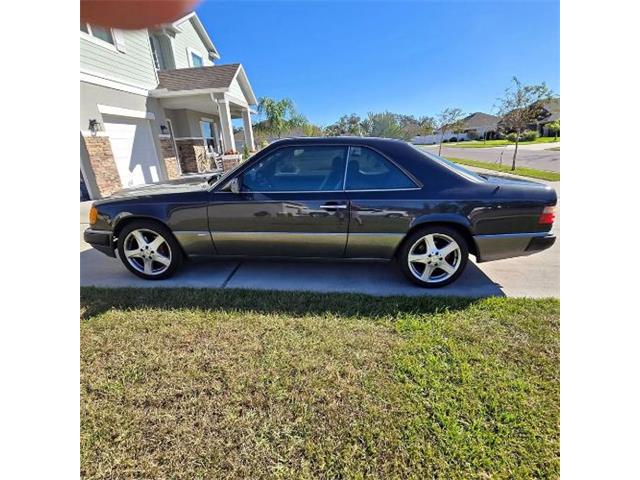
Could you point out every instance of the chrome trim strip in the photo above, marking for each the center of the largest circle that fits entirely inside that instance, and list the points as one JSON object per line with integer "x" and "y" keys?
{"x": 512, "y": 235}
{"x": 333, "y": 207}
{"x": 337, "y": 191}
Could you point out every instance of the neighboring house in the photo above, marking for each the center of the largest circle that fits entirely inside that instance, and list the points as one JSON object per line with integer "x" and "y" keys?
{"x": 551, "y": 113}
{"x": 154, "y": 105}
{"x": 476, "y": 126}
{"x": 480, "y": 125}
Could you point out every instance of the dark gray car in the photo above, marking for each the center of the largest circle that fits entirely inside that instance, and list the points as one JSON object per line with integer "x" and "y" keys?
{"x": 340, "y": 197}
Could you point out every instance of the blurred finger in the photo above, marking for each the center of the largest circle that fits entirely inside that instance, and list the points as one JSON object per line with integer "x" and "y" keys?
{"x": 133, "y": 14}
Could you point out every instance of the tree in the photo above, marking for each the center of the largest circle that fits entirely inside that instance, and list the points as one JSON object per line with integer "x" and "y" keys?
{"x": 554, "y": 127}
{"x": 449, "y": 120}
{"x": 521, "y": 106}
{"x": 280, "y": 115}
{"x": 346, "y": 125}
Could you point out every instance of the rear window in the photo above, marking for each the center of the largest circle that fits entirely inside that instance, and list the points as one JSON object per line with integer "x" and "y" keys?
{"x": 369, "y": 170}
{"x": 459, "y": 169}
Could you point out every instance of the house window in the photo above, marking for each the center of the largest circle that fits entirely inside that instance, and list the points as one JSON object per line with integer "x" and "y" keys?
{"x": 98, "y": 32}
{"x": 207, "y": 134}
{"x": 196, "y": 60}
{"x": 156, "y": 53}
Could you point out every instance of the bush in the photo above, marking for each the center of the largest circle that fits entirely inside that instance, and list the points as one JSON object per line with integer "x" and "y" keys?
{"x": 453, "y": 139}
{"x": 472, "y": 135}
{"x": 512, "y": 137}
{"x": 446, "y": 140}
{"x": 529, "y": 136}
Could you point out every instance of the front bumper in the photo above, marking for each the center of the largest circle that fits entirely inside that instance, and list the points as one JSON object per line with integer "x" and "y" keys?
{"x": 508, "y": 245}
{"x": 101, "y": 240}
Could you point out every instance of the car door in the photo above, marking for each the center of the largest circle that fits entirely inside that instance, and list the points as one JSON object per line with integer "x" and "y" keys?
{"x": 384, "y": 199}
{"x": 289, "y": 203}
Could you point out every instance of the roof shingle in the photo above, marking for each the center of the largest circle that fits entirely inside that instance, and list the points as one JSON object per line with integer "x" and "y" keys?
{"x": 197, "y": 78}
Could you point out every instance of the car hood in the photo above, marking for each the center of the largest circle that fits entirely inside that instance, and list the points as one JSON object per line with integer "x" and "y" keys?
{"x": 188, "y": 183}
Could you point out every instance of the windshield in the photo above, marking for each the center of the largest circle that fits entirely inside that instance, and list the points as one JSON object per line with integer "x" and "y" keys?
{"x": 459, "y": 169}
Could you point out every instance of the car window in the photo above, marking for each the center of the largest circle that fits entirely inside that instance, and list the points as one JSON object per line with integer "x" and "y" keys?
{"x": 368, "y": 170}
{"x": 300, "y": 169}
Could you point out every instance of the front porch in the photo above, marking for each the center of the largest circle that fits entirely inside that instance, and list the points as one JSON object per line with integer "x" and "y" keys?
{"x": 200, "y": 105}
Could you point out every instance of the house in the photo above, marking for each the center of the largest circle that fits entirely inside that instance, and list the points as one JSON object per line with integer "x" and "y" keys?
{"x": 154, "y": 104}
{"x": 480, "y": 125}
{"x": 550, "y": 113}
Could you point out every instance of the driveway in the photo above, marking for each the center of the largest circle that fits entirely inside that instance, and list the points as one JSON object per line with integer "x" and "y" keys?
{"x": 534, "y": 276}
{"x": 533, "y": 156}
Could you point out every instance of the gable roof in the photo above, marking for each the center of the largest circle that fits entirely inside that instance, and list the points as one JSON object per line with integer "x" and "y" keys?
{"x": 206, "y": 78}
{"x": 197, "y": 24}
{"x": 552, "y": 106}
{"x": 479, "y": 119}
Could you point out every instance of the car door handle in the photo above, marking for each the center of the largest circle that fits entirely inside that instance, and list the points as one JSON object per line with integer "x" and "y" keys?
{"x": 333, "y": 206}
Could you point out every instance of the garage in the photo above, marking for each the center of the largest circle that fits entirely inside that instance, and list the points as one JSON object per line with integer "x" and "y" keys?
{"x": 133, "y": 149}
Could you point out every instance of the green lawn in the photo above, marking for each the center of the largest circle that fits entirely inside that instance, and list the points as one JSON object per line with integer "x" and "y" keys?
{"x": 506, "y": 168}
{"x": 189, "y": 383}
{"x": 496, "y": 143}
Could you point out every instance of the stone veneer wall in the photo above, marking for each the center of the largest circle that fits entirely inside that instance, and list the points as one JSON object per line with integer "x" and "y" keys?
{"x": 229, "y": 163}
{"x": 188, "y": 151}
{"x": 169, "y": 157}
{"x": 102, "y": 163}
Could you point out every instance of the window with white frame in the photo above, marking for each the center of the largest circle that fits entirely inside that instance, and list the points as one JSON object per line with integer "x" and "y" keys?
{"x": 101, "y": 33}
{"x": 156, "y": 52}
{"x": 208, "y": 135}
{"x": 196, "y": 58}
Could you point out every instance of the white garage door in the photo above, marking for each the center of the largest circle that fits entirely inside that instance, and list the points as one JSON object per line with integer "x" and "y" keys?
{"x": 133, "y": 149}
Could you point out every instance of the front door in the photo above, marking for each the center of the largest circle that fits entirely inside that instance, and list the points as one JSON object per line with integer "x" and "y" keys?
{"x": 291, "y": 203}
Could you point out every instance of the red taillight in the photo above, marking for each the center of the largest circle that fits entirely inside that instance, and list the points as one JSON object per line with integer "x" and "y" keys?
{"x": 547, "y": 216}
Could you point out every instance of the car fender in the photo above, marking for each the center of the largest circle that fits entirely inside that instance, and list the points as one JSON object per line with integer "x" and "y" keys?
{"x": 463, "y": 224}
{"x": 157, "y": 212}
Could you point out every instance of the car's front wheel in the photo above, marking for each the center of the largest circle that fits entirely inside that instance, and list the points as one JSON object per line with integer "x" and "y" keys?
{"x": 149, "y": 250}
{"x": 433, "y": 257}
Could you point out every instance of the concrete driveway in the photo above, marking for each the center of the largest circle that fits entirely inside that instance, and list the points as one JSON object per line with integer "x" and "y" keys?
{"x": 533, "y": 156}
{"x": 533, "y": 276}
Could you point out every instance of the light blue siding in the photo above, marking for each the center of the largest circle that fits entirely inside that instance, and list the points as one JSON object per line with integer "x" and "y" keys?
{"x": 135, "y": 66}
{"x": 188, "y": 38}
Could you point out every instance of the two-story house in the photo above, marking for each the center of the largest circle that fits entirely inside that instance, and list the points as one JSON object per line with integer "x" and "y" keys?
{"x": 154, "y": 105}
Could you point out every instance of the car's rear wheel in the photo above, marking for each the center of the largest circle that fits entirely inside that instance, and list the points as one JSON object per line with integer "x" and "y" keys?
{"x": 149, "y": 250}
{"x": 434, "y": 256}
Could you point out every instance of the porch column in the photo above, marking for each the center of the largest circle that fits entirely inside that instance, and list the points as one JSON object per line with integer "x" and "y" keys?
{"x": 248, "y": 130}
{"x": 229, "y": 143}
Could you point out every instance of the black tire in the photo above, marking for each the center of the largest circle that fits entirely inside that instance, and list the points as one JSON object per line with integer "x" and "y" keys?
{"x": 176, "y": 255}
{"x": 410, "y": 241}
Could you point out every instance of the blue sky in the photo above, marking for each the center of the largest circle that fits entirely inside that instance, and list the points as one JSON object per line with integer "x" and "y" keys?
{"x": 333, "y": 58}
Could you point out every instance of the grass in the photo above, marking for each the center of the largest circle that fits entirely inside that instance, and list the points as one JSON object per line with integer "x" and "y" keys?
{"x": 187, "y": 383}
{"x": 523, "y": 171}
{"x": 496, "y": 143}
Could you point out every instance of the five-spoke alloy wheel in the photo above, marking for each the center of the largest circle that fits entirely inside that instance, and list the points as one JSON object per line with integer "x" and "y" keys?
{"x": 434, "y": 256}
{"x": 149, "y": 250}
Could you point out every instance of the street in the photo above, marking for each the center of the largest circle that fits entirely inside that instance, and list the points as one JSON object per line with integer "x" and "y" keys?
{"x": 533, "y": 156}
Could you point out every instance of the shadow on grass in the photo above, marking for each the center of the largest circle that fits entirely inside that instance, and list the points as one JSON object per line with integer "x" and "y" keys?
{"x": 95, "y": 300}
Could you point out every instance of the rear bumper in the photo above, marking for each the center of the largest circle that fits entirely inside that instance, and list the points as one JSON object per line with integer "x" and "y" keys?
{"x": 100, "y": 240}
{"x": 508, "y": 245}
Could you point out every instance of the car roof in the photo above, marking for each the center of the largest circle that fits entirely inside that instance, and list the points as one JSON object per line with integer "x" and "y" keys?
{"x": 339, "y": 140}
